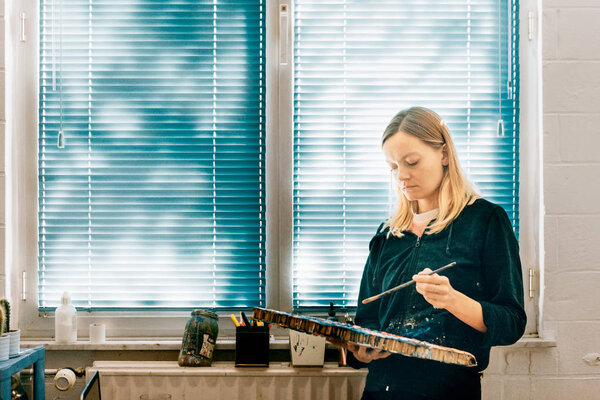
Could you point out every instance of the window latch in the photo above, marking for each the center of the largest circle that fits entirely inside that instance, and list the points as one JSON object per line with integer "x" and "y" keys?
{"x": 23, "y": 38}
{"x": 531, "y": 283}
{"x": 283, "y": 34}
{"x": 24, "y": 286}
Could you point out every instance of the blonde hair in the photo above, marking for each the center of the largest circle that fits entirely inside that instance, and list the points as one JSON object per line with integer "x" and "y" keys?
{"x": 455, "y": 191}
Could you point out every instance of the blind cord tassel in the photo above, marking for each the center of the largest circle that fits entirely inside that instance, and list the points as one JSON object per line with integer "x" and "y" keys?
{"x": 500, "y": 128}
{"x": 61, "y": 140}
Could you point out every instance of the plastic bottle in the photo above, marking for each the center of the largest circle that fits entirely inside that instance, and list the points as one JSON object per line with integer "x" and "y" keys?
{"x": 65, "y": 321}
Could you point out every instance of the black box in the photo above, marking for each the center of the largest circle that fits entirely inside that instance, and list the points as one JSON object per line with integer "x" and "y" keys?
{"x": 252, "y": 346}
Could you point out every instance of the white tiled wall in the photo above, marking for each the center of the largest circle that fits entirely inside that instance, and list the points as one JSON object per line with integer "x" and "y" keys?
{"x": 571, "y": 68}
{"x": 571, "y": 107}
{"x": 2, "y": 147}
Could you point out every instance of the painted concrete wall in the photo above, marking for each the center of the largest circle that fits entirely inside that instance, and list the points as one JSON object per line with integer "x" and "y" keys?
{"x": 571, "y": 117}
{"x": 2, "y": 147}
{"x": 571, "y": 310}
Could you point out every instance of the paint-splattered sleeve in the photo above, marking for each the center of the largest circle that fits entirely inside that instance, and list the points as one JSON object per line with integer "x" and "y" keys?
{"x": 367, "y": 315}
{"x": 503, "y": 312}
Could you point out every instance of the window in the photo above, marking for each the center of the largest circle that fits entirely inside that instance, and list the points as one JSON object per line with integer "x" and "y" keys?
{"x": 163, "y": 111}
{"x": 156, "y": 199}
{"x": 356, "y": 65}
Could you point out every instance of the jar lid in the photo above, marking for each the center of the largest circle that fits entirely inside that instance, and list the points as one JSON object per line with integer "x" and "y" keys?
{"x": 205, "y": 313}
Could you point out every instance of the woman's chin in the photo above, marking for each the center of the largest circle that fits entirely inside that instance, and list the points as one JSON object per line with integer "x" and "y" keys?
{"x": 409, "y": 196}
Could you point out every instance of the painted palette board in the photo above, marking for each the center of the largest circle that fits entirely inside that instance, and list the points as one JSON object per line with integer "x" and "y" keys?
{"x": 366, "y": 337}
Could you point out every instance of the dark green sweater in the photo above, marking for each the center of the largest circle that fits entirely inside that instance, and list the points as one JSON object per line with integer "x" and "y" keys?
{"x": 488, "y": 270}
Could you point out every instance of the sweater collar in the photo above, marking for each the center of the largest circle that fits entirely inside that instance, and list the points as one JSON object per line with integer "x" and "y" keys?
{"x": 426, "y": 216}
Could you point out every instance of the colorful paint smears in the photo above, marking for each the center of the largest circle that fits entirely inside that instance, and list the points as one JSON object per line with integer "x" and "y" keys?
{"x": 366, "y": 337}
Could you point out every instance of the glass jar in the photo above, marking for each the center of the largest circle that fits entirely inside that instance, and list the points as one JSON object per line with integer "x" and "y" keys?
{"x": 199, "y": 339}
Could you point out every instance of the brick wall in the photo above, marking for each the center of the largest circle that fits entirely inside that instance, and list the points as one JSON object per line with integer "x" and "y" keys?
{"x": 571, "y": 311}
{"x": 2, "y": 147}
{"x": 571, "y": 106}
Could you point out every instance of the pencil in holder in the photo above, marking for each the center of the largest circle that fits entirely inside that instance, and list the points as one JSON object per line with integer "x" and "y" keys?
{"x": 252, "y": 346}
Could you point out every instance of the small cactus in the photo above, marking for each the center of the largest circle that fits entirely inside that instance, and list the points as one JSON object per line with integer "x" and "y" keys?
{"x": 4, "y": 316}
{"x": 2, "y": 321}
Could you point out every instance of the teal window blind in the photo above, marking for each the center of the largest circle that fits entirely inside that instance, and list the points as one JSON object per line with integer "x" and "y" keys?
{"x": 156, "y": 200}
{"x": 356, "y": 64}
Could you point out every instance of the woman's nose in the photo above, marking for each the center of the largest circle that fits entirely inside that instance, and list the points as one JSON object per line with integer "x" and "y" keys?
{"x": 401, "y": 175}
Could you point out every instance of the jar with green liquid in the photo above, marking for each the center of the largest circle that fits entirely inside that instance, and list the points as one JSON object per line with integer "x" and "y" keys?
{"x": 199, "y": 339}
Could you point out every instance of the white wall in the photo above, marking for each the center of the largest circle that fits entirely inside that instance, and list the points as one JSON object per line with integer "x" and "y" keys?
{"x": 571, "y": 106}
{"x": 571, "y": 169}
{"x": 2, "y": 147}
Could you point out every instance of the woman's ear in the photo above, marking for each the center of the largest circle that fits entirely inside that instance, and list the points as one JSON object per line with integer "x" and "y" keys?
{"x": 445, "y": 158}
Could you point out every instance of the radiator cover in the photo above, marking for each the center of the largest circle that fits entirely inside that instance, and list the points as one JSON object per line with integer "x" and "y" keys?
{"x": 122, "y": 380}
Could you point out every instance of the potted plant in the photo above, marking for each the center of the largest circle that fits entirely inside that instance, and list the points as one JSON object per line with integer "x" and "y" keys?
{"x": 14, "y": 335}
{"x": 4, "y": 339}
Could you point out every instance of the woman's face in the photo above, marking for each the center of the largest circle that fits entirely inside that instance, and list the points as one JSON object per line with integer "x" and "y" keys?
{"x": 417, "y": 166}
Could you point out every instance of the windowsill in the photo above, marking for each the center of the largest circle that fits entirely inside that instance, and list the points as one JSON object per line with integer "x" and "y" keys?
{"x": 222, "y": 368}
{"x": 225, "y": 343}
{"x": 529, "y": 342}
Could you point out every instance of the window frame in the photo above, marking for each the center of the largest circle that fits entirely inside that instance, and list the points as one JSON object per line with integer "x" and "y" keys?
{"x": 22, "y": 180}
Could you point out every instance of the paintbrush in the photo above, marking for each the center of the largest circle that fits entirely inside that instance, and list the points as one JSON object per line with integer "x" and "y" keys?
{"x": 392, "y": 290}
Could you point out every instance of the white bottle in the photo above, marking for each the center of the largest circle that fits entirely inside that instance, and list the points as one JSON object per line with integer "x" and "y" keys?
{"x": 65, "y": 321}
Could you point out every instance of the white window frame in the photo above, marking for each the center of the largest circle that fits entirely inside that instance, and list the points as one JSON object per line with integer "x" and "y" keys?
{"x": 22, "y": 74}
{"x": 531, "y": 201}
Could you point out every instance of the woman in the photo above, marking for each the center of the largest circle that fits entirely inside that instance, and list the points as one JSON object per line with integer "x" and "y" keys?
{"x": 439, "y": 219}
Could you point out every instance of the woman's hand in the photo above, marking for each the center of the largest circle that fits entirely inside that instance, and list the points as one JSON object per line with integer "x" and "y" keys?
{"x": 366, "y": 354}
{"x": 361, "y": 353}
{"x": 436, "y": 289}
{"x": 439, "y": 293}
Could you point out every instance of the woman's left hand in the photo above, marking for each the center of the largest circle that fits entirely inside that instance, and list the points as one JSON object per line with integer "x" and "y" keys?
{"x": 436, "y": 289}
